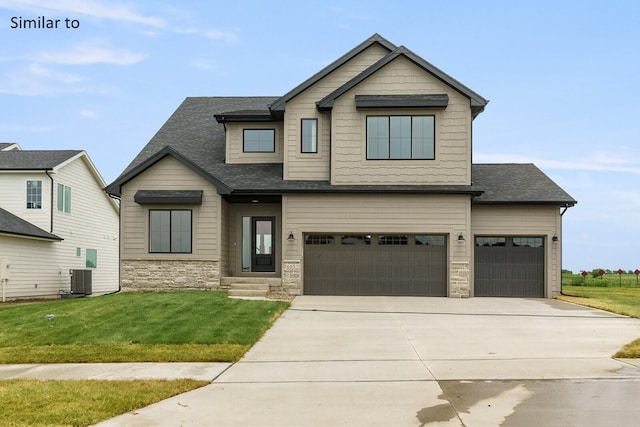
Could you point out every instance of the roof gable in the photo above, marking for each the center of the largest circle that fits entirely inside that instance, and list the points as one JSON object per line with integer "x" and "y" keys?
{"x": 8, "y": 146}
{"x": 477, "y": 102}
{"x": 279, "y": 104}
{"x": 194, "y": 136}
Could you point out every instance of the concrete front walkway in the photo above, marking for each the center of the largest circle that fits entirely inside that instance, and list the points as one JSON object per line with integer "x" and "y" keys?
{"x": 382, "y": 361}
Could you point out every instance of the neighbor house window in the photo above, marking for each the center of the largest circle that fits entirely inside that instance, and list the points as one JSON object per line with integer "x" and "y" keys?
{"x": 170, "y": 231}
{"x": 259, "y": 140}
{"x": 92, "y": 258}
{"x": 309, "y": 135}
{"x": 64, "y": 198}
{"x": 34, "y": 194}
{"x": 401, "y": 137}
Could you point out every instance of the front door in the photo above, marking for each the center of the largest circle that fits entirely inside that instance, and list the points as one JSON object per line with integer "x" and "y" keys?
{"x": 263, "y": 244}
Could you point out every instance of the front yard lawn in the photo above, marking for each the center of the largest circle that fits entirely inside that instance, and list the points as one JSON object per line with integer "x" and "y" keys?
{"x": 621, "y": 300}
{"x": 195, "y": 326}
{"x": 29, "y": 403}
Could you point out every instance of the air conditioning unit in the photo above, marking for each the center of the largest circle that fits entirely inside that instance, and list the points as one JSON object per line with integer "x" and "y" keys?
{"x": 81, "y": 282}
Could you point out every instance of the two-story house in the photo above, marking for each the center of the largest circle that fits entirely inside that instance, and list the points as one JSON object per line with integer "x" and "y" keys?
{"x": 358, "y": 181}
{"x": 55, "y": 218}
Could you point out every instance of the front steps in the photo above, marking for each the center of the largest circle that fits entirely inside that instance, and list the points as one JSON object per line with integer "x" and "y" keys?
{"x": 249, "y": 290}
{"x": 249, "y": 287}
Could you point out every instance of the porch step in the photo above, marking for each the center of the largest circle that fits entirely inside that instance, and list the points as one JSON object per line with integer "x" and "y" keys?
{"x": 227, "y": 282}
{"x": 249, "y": 290}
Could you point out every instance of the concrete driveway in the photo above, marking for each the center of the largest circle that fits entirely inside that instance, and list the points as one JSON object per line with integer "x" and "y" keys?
{"x": 384, "y": 361}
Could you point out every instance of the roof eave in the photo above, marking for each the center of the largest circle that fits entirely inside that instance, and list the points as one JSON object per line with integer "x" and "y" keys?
{"x": 558, "y": 203}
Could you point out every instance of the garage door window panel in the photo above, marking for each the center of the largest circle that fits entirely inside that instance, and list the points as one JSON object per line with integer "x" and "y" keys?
{"x": 356, "y": 240}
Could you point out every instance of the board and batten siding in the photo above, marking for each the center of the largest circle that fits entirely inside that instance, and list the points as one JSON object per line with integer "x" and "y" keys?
{"x": 170, "y": 174}
{"x": 452, "y": 164}
{"x": 315, "y": 166}
{"x": 234, "y": 143}
{"x": 525, "y": 221}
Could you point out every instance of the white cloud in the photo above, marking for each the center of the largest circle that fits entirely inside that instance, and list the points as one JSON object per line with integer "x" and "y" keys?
{"x": 90, "y": 52}
{"x": 92, "y": 8}
{"x": 36, "y": 80}
{"x": 88, "y": 114}
{"x": 622, "y": 162}
{"x": 204, "y": 64}
{"x": 211, "y": 33}
{"x": 39, "y": 71}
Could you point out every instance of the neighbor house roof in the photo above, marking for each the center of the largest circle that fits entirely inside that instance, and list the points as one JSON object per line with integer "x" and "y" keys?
{"x": 14, "y": 225}
{"x": 193, "y": 136}
{"x": 35, "y": 159}
{"x": 6, "y": 146}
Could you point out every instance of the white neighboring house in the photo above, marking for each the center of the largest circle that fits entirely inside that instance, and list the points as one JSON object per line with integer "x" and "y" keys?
{"x": 54, "y": 218}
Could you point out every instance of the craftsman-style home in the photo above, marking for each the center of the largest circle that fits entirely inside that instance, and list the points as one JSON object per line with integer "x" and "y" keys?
{"x": 358, "y": 181}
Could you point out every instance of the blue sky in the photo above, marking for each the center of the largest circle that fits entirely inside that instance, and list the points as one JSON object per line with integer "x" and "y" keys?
{"x": 562, "y": 77}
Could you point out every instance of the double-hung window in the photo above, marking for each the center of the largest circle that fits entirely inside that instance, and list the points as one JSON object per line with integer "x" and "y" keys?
{"x": 34, "y": 194}
{"x": 309, "y": 135}
{"x": 400, "y": 137}
{"x": 170, "y": 231}
{"x": 64, "y": 198}
{"x": 259, "y": 140}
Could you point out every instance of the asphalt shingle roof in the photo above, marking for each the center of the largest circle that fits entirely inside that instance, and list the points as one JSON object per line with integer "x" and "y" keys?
{"x": 12, "y": 224}
{"x": 193, "y": 135}
{"x": 34, "y": 159}
{"x": 517, "y": 183}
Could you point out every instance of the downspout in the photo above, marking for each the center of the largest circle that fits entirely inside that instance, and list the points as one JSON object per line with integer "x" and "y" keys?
{"x": 561, "y": 242}
{"x": 51, "y": 216}
{"x": 119, "y": 243}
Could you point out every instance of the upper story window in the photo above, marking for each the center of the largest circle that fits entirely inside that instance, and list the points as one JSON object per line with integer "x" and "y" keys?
{"x": 259, "y": 140}
{"x": 64, "y": 198}
{"x": 400, "y": 137}
{"x": 34, "y": 194}
{"x": 309, "y": 135}
{"x": 170, "y": 231}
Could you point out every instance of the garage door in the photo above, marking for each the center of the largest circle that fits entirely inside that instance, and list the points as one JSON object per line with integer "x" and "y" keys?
{"x": 509, "y": 267}
{"x": 364, "y": 264}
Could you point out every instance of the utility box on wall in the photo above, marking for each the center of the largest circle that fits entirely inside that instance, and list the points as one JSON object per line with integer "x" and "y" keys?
{"x": 80, "y": 282}
{"x": 5, "y": 273}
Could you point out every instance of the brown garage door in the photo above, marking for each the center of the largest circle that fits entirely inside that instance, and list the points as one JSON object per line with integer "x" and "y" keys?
{"x": 362, "y": 264}
{"x": 509, "y": 266}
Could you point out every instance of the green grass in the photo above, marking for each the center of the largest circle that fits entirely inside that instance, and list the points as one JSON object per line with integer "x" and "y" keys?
{"x": 616, "y": 299}
{"x": 613, "y": 279}
{"x": 134, "y": 327}
{"x": 194, "y": 326}
{"x": 80, "y": 403}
